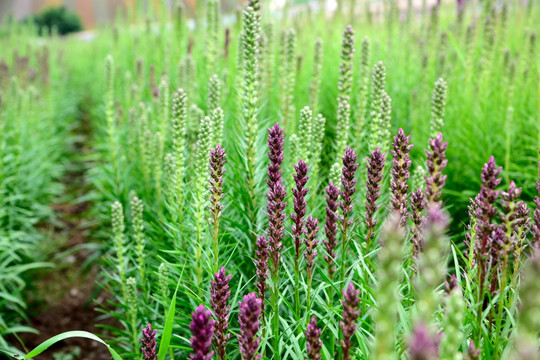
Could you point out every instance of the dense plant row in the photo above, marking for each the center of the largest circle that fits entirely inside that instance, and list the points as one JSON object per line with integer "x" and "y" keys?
{"x": 261, "y": 177}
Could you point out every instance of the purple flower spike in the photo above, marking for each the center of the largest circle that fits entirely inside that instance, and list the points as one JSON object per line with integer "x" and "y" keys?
{"x": 299, "y": 194}
{"x": 350, "y": 315}
{"x": 312, "y": 228}
{"x": 217, "y": 161}
{"x": 485, "y": 212}
{"x": 313, "y": 340}
{"x": 248, "y": 317}
{"x": 261, "y": 263}
{"x": 418, "y": 204}
{"x": 276, "y": 194}
{"x": 348, "y": 183}
{"x": 400, "y": 175}
{"x": 330, "y": 227}
{"x": 423, "y": 345}
{"x": 375, "y": 165}
{"x": 536, "y": 216}
{"x": 436, "y": 163}
{"x": 219, "y": 296}
{"x": 202, "y": 328}
{"x": 149, "y": 343}
{"x": 472, "y": 352}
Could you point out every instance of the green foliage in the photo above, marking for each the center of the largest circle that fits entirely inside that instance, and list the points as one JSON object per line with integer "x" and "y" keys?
{"x": 58, "y": 19}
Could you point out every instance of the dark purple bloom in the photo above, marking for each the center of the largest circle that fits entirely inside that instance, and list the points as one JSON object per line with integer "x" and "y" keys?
{"x": 149, "y": 343}
{"x": 485, "y": 212}
{"x": 248, "y": 317}
{"x": 436, "y": 163}
{"x": 330, "y": 227}
{"x": 276, "y": 194}
{"x": 219, "y": 297}
{"x": 496, "y": 252}
{"x": 312, "y": 228}
{"x": 423, "y": 345}
{"x": 348, "y": 184}
{"x": 472, "y": 352}
{"x": 418, "y": 204}
{"x": 375, "y": 165}
{"x": 299, "y": 194}
{"x": 449, "y": 286}
{"x": 217, "y": 160}
{"x": 261, "y": 263}
{"x": 400, "y": 174}
{"x": 313, "y": 340}
{"x": 202, "y": 328}
{"x": 350, "y": 315}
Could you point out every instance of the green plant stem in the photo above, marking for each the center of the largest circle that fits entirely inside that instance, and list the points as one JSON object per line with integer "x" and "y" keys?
{"x": 275, "y": 319}
{"x": 297, "y": 289}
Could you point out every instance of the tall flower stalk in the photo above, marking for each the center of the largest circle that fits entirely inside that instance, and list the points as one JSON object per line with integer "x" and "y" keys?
{"x": 363, "y": 87}
{"x": 179, "y": 131}
{"x": 202, "y": 328}
{"x": 436, "y": 163}
{"x": 118, "y": 228}
{"x": 276, "y": 218}
{"x": 346, "y": 204}
{"x": 343, "y": 126}
{"x": 149, "y": 343}
{"x": 217, "y": 170}
{"x": 219, "y": 298}
{"x": 346, "y": 65}
{"x": 315, "y": 86}
{"x": 289, "y": 77}
{"x": 138, "y": 233}
{"x": 400, "y": 175}
{"x": 248, "y": 317}
{"x": 313, "y": 340}
{"x": 438, "y": 104}
{"x": 299, "y": 194}
{"x": 348, "y": 324}
{"x": 331, "y": 227}
{"x": 312, "y": 229}
{"x": 375, "y": 166}
{"x": 261, "y": 263}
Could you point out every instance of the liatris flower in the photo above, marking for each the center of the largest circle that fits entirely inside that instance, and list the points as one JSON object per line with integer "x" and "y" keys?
{"x": 363, "y": 86}
{"x": 345, "y": 68}
{"x": 118, "y": 228}
{"x": 312, "y": 228}
{"x": 431, "y": 262}
{"x": 400, "y": 175}
{"x": 387, "y": 292}
{"x": 335, "y": 174}
{"x": 163, "y": 281}
{"x": 214, "y": 93}
{"x": 452, "y": 321}
{"x": 436, "y": 163}
{"x": 508, "y": 216}
{"x": 438, "y": 104}
{"x": 330, "y": 226}
{"x": 472, "y": 352}
{"x": 343, "y": 126}
{"x": 419, "y": 178}
{"x": 219, "y": 296}
{"x": 299, "y": 194}
{"x": 138, "y": 230}
{"x": 525, "y": 339}
{"x": 351, "y": 312}
{"x": 305, "y": 133}
{"x": 248, "y": 317}
{"x": 318, "y": 128}
{"x": 212, "y": 32}
{"x": 289, "y": 76}
{"x": 315, "y": 86}
{"x": 313, "y": 340}
{"x": 348, "y": 183}
{"x": 485, "y": 212}
{"x": 385, "y": 121}
{"x": 261, "y": 263}
{"x": 217, "y": 116}
{"x": 276, "y": 194}
{"x": 375, "y": 165}
{"x": 179, "y": 130}
{"x": 202, "y": 328}
{"x": 418, "y": 204}
{"x": 149, "y": 343}
{"x": 536, "y": 216}
{"x": 378, "y": 83}
{"x": 217, "y": 162}
{"x": 423, "y": 345}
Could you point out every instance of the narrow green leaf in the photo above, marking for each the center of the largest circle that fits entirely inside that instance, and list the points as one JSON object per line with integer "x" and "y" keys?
{"x": 167, "y": 330}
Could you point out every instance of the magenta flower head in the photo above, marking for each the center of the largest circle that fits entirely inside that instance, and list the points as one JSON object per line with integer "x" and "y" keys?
{"x": 423, "y": 345}
{"x": 400, "y": 175}
{"x": 485, "y": 212}
{"x": 330, "y": 227}
{"x": 149, "y": 343}
{"x": 436, "y": 163}
{"x": 348, "y": 182}
{"x": 312, "y": 228}
{"x": 351, "y": 313}
{"x": 276, "y": 194}
{"x": 375, "y": 165}
{"x": 261, "y": 263}
{"x": 313, "y": 340}
{"x": 202, "y": 328}
{"x": 219, "y": 297}
{"x": 299, "y": 194}
{"x": 418, "y": 204}
{"x": 248, "y": 317}
{"x": 217, "y": 162}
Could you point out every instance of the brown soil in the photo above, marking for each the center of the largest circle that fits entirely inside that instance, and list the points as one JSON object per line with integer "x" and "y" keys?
{"x": 67, "y": 297}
